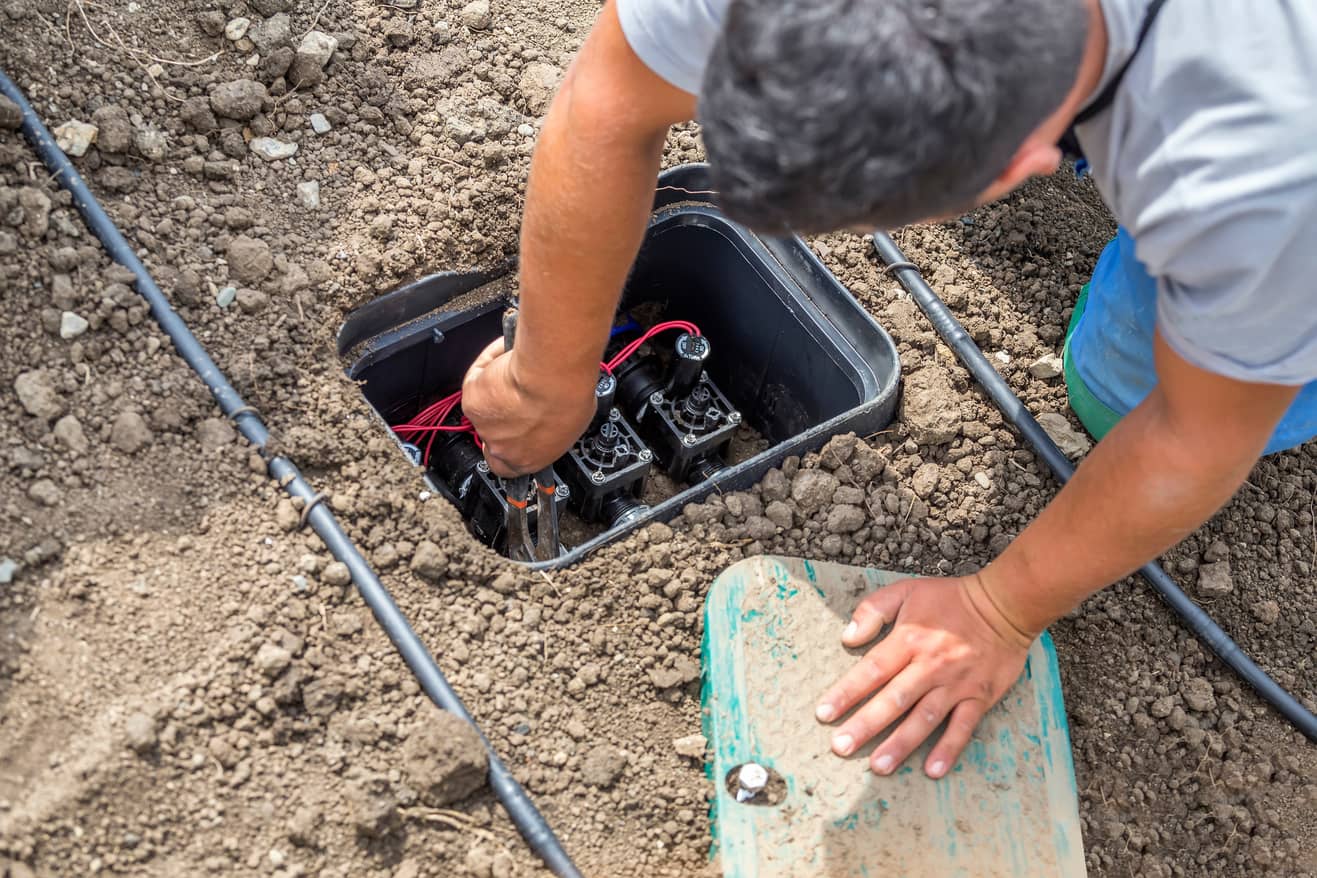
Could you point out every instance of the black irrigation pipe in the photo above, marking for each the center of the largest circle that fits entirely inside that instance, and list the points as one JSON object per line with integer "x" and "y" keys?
{"x": 1202, "y": 625}
{"x": 527, "y": 818}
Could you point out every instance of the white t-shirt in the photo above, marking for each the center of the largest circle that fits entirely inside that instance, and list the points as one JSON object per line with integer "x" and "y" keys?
{"x": 1208, "y": 156}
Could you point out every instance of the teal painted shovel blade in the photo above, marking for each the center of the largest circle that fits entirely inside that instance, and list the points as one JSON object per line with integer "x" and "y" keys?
{"x": 772, "y": 646}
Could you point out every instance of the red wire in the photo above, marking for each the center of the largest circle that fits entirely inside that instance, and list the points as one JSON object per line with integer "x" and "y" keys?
{"x": 431, "y": 418}
{"x": 683, "y": 325}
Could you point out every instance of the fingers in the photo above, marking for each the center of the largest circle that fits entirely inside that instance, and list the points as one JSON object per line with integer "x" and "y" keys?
{"x": 873, "y": 670}
{"x": 964, "y": 719}
{"x": 883, "y": 709}
{"x": 875, "y": 611}
{"x": 917, "y": 726}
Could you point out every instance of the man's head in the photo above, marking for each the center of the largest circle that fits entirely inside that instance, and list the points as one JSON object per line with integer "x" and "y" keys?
{"x": 819, "y": 114}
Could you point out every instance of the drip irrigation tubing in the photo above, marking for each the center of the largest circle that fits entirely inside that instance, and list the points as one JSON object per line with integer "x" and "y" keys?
{"x": 525, "y": 816}
{"x": 1202, "y": 625}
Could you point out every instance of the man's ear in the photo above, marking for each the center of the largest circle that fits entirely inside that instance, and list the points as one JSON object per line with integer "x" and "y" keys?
{"x": 1034, "y": 158}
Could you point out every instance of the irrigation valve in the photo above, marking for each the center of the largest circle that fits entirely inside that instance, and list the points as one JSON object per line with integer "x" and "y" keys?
{"x": 653, "y": 408}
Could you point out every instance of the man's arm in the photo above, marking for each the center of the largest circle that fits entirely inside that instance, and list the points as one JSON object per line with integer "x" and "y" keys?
{"x": 958, "y": 645}
{"x": 590, "y": 190}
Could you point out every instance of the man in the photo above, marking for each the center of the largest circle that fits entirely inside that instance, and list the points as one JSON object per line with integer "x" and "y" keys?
{"x": 1191, "y": 351}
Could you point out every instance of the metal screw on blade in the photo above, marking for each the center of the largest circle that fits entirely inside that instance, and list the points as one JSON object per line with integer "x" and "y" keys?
{"x": 689, "y": 439}
{"x": 656, "y": 398}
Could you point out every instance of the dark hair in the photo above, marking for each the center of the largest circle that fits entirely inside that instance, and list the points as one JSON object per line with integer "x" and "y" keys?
{"x": 820, "y": 114}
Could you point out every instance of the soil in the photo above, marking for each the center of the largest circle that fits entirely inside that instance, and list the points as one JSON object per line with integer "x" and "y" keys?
{"x": 188, "y": 684}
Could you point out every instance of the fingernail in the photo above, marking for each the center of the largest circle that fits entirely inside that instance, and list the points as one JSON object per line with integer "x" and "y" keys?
{"x": 843, "y": 744}
{"x": 883, "y": 765}
{"x": 937, "y": 769}
{"x": 851, "y": 630}
{"x": 825, "y": 713}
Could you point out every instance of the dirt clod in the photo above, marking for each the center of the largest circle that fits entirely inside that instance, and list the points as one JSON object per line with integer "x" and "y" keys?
{"x": 444, "y": 759}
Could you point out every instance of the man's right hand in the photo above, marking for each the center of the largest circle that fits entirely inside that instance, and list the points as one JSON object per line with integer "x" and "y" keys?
{"x": 525, "y": 422}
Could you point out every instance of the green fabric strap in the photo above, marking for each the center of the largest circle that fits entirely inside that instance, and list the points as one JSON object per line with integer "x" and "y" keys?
{"x": 1094, "y": 414}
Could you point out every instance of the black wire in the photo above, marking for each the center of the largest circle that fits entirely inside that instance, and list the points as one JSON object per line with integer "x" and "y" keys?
{"x": 527, "y": 818}
{"x": 1202, "y": 625}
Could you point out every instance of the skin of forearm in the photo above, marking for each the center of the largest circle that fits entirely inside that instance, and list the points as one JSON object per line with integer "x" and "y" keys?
{"x": 1142, "y": 489}
{"x": 587, "y": 202}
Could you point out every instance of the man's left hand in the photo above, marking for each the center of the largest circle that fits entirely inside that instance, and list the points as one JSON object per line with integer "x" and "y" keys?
{"x": 950, "y": 653}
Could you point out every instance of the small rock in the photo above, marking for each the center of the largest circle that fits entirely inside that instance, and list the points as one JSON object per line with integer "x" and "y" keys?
{"x": 476, "y": 15}
{"x": 317, "y": 46}
{"x": 271, "y": 149}
{"x": 336, "y": 573}
{"x": 236, "y": 29}
{"x": 1217, "y": 551}
{"x": 603, "y": 765}
{"x": 45, "y": 492}
{"x": 525, "y": 130}
{"x": 252, "y": 301}
{"x": 691, "y": 746}
{"x": 240, "y": 99}
{"x": 308, "y": 193}
{"x": 69, "y": 431}
{"x": 780, "y": 514}
{"x": 277, "y": 63}
{"x": 983, "y": 480}
{"x": 320, "y": 124}
{"x": 930, "y": 408}
{"x": 114, "y": 129}
{"x": 269, "y": 7}
{"x": 129, "y": 432}
{"x": 1072, "y": 443}
{"x": 11, "y": 117}
{"x": 313, "y": 54}
{"x": 36, "y": 391}
{"x": 215, "y": 433}
{"x": 8, "y": 570}
{"x": 302, "y": 828}
{"x": 444, "y": 759}
{"x": 224, "y": 298}
{"x": 538, "y": 84}
{"x": 150, "y": 144}
{"x": 1266, "y": 612}
{"x": 140, "y": 730}
{"x": 250, "y": 259}
{"x": 1214, "y": 580}
{"x": 75, "y": 137}
{"x": 845, "y": 519}
{"x": 270, "y": 34}
{"x": 812, "y": 489}
{"x": 197, "y": 114}
{"x": 211, "y": 22}
{"x": 36, "y": 206}
{"x": 272, "y": 659}
{"x": 1198, "y": 695}
{"x": 1046, "y": 366}
{"x": 429, "y": 561}
{"x": 399, "y": 34}
{"x": 71, "y": 325}
{"x": 925, "y": 479}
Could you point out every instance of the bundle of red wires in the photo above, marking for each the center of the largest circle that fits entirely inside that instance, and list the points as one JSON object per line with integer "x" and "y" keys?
{"x": 429, "y": 422}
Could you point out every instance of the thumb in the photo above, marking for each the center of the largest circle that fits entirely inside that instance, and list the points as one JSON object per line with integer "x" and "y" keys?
{"x": 876, "y": 610}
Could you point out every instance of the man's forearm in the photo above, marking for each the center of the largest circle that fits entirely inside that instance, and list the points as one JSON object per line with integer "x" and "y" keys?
{"x": 589, "y": 195}
{"x": 1141, "y": 490}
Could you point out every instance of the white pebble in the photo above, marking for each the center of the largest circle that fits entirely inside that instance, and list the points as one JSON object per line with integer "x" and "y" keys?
{"x": 983, "y": 480}
{"x": 237, "y": 28}
{"x": 71, "y": 325}
{"x": 309, "y": 194}
{"x": 271, "y": 149}
{"x": 224, "y": 298}
{"x": 319, "y": 124}
{"x": 525, "y": 130}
